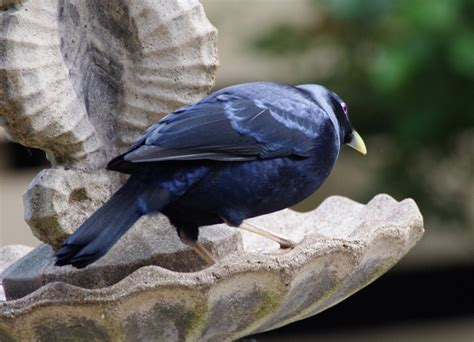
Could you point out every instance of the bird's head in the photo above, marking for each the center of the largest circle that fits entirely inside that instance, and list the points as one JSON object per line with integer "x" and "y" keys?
{"x": 338, "y": 111}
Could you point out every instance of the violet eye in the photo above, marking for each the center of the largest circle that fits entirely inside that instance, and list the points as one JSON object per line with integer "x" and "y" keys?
{"x": 344, "y": 107}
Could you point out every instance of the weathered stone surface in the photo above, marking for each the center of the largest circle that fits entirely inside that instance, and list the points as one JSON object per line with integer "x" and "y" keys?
{"x": 11, "y": 253}
{"x": 82, "y": 79}
{"x": 153, "y": 243}
{"x": 58, "y": 201}
{"x": 345, "y": 246}
{"x": 8, "y": 255}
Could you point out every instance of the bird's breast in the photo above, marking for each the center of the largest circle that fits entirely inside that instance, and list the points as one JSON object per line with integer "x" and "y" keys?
{"x": 258, "y": 187}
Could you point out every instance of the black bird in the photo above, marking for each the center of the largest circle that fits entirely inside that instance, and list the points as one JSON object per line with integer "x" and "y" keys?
{"x": 240, "y": 152}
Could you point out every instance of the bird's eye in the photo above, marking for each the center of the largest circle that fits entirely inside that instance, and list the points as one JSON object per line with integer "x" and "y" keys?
{"x": 344, "y": 107}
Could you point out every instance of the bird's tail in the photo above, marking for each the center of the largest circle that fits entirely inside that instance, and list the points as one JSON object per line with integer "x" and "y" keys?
{"x": 105, "y": 227}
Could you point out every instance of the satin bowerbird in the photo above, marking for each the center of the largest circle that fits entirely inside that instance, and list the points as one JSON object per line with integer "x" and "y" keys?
{"x": 240, "y": 152}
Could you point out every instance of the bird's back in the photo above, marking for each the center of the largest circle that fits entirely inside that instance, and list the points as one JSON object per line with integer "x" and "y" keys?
{"x": 246, "y": 189}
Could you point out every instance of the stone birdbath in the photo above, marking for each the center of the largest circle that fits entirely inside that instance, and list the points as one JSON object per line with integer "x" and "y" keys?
{"x": 81, "y": 80}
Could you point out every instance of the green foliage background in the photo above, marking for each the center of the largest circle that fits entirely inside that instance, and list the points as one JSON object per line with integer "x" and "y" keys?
{"x": 407, "y": 69}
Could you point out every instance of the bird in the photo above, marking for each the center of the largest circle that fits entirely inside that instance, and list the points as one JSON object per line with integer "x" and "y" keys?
{"x": 240, "y": 152}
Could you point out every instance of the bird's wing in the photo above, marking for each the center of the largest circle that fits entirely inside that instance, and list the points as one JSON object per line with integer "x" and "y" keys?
{"x": 228, "y": 127}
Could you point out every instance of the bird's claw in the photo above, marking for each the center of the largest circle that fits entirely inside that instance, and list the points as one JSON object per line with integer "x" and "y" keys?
{"x": 287, "y": 244}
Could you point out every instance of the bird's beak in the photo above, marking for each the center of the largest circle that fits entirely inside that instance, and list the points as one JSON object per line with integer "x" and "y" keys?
{"x": 357, "y": 143}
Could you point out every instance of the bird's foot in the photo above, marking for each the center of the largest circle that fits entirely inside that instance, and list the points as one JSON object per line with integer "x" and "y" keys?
{"x": 288, "y": 244}
{"x": 283, "y": 241}
{"x": 199, "y": 249}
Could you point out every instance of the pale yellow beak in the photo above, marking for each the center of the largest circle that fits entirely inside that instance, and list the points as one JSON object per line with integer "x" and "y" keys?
{"x": 357, "y": 143}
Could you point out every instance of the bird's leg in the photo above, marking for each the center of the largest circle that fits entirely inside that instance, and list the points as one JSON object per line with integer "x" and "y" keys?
{"x": 283, "y": 241}
{"x": 198, "y": 248}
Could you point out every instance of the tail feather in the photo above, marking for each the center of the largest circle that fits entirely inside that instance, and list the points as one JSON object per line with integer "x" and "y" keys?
{"x": 109, "y": 223}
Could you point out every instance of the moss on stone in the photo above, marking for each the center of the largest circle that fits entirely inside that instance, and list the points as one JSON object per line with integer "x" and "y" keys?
{"x": 78, "y": 195}
{"x": 5, "y": 335}
{"x": 196, "y": 319}
{"x": 270, "y": 302}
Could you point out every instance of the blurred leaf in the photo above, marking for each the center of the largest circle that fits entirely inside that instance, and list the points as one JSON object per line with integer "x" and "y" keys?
{"x": 462, "y": 54}
{"x": 391, "y": 69}
{"x": 436, "y": 15}
{"x": 283, "y": 39}
{"x": 356, "y": 10}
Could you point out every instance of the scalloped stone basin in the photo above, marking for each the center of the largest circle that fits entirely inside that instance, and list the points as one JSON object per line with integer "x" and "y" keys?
{"x": 345, "y": 246}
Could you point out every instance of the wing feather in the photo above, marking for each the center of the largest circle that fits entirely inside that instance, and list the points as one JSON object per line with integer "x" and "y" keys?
{"x": 230, "y": 125}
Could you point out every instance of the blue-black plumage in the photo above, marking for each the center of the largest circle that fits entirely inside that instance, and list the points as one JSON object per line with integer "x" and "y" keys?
{"x": 240, "y": 152}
